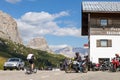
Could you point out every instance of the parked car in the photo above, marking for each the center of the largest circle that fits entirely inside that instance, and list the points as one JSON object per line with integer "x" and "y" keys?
{"x": 14, "y": 63}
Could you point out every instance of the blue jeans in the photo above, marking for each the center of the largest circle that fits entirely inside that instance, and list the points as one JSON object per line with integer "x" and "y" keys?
{"x": 80, "y": 66}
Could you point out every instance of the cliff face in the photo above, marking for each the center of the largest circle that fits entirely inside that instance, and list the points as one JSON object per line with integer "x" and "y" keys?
{"x": 8, "y": 28}
{"x": 39, "y": 43}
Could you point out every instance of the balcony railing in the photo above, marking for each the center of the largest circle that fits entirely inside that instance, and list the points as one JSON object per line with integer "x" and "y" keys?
{"x": 108, "y": 26}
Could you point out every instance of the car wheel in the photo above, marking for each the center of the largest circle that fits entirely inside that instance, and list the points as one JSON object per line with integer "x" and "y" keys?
{"x": 23, "y": 68}
{"x": 5, "y": 69}
{"x": 11, "y": 69}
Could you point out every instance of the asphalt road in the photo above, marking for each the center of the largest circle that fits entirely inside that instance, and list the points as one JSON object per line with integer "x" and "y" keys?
{"x": 59, "y": 75}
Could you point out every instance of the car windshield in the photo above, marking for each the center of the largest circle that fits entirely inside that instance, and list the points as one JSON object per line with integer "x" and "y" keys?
{"x": 13, "y": 59}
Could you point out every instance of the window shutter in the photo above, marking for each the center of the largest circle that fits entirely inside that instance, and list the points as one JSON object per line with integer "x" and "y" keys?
{"x": 109, "y": 22}
{"x": 98, "y": 43}
{"x": 109, "y": 43}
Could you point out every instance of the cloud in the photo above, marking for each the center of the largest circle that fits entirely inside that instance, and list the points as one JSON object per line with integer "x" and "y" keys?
{"x": 35, "y": 17}
{"x": 13, "y": 1}
{"x": 68, "y": 32}
{"x": 34, "y": 24}
{"x": 57, "y": 47}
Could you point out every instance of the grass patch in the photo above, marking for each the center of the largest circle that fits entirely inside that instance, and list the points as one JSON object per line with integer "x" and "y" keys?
{"x": 2, "y": 60}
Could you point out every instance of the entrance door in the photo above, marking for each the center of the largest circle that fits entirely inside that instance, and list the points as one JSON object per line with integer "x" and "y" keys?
{"x": 101, "y": 60}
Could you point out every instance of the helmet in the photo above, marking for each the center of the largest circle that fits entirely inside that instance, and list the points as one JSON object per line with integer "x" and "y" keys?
{"x": 77, "y": 53}
{"x": 116, "y": 54}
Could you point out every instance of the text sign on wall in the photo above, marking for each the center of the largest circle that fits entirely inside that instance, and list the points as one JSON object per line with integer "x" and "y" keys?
{"x": 114, "y": 31}
{"x": 105, "y": 31}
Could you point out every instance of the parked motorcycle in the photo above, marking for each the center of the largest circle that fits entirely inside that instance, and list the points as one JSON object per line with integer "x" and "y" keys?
{"x": 104, "y": 66}
{"x": 73, "y": 66}
{"x": 114, "y": 65}
{"x": 95, "y": 67}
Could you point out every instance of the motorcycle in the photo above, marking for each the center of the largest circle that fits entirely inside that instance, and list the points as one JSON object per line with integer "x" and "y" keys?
{"x": 114, "y": 65}
{"x": 73, "y": 66}
{"x": 104, "y": 66}
{"x": 95, "y": 67}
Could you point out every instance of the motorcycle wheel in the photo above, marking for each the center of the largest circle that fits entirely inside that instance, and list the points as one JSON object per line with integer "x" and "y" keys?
{"x": 112, "y": 68}
{"x": 85, "y": 69}
{"x": 68, "y": 68}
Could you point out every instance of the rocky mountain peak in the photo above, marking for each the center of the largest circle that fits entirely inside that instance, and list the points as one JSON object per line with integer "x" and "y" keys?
{"x": 70, "y": 51}
{"x": 8, "y": 28}
{"x": 39, "y": 43}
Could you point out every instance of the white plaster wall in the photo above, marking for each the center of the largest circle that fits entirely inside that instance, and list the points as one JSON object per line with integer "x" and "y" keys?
{"x": 104, "y": 52}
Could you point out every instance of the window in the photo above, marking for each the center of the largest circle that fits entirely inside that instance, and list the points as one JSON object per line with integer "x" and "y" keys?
{"x": 104, "y": 43}
{"x": 103, "y": 22}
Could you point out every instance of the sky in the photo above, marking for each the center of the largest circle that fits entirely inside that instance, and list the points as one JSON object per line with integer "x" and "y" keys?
{"x": 58, "y": 21}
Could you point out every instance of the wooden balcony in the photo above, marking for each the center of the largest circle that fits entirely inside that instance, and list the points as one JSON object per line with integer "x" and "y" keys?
{"x": 105, "y": 30}
{"x": 108, "y": 26}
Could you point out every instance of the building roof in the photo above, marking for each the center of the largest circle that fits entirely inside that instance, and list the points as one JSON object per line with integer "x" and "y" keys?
{"x": 101, "y": 6}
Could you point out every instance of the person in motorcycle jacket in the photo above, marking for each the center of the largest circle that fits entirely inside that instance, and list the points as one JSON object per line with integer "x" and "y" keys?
{"x": 78, "y": 59}
{"x": 117, "y": 57}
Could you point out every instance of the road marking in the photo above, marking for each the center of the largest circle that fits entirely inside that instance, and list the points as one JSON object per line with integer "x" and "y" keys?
{"x": 45, "y": 76}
